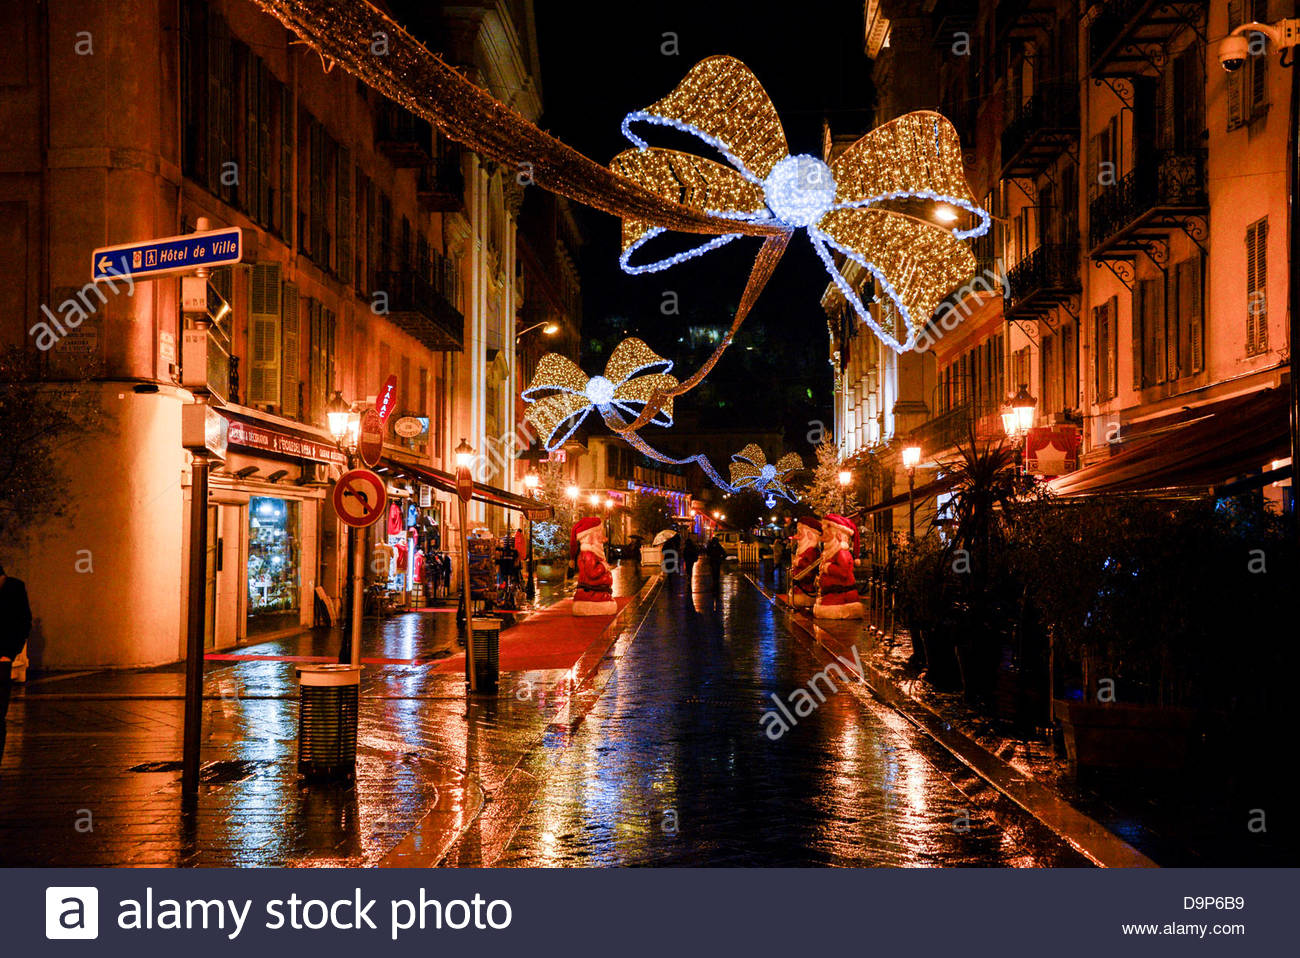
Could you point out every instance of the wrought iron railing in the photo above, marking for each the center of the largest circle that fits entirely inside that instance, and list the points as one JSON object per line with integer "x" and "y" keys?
{"x": 1173, "y": 179}
{"x": 422, "y": 308}
{"x": 1112, "y": 20}
{"x": 1050, "y": 268}
{"x": 1053, "y": 107}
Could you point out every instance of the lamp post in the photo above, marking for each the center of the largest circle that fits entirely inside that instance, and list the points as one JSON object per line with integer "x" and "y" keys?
{"x": 531, "y": 482}
{"x": 464, "y": 492}
{"x": 911, "y": 459}
{"x": 548, "y": 329}
{"x": 1017, "y": 419}
{"x": 846, "y": 476}
{"x": 345, "y": 427}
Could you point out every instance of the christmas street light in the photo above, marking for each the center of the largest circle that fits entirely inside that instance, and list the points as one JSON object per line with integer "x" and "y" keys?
{"x": 846, "y": 476}
{"x": 911, "y": 459}
{"x": 531, "y": 482}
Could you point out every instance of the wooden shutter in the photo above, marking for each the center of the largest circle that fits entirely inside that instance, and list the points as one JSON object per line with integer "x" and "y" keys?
{"x": 1256, "y": 287}
{"x": 1258, "y": 66}
{"x": 1236, "y": 81}
{"x": 1196, "y": 312}
{"x": 1112, "y": 347}
{"x": 343, "y": 215}
{"x": 287, "y": 143}
{"x": 264, "y": 336}
{"x": 1154, "y": 325}
{"x": 291, "y": 367}
{"x": 1138, "y": 311}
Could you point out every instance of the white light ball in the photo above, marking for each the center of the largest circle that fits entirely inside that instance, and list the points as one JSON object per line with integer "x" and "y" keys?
{"x": 799, "y": 190}
{"x": 600, "y": 391}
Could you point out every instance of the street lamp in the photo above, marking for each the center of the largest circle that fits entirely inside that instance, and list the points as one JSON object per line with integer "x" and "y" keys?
{"x": 548, "y": 329}
{"x": 846, "y": 476}
{"x": 345, "y": 425}
{"x": 1018, "y": 413}
{"x": 531, "y": 482}
{"x": 464, "y": 492}
{"x": 911, "y": 459}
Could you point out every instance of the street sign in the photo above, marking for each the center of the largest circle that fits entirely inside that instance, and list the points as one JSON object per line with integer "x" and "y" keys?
{"x": 386, "y": 401}
{"x": 360, "y": 498}
{"x": 464, "y": 485}
{"x": 408, "y": 427}
{"x": 149, "y": 259}
{"x": 370, "y": 444}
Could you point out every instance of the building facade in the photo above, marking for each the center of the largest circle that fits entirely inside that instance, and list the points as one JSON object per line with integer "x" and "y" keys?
{"x": 1135, "y": 280}
{"x": 373, "y": 248}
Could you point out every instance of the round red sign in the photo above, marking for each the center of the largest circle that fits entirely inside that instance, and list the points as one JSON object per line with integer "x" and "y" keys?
{"x": 370, "y": 444}
{"x": 359, "y": 498}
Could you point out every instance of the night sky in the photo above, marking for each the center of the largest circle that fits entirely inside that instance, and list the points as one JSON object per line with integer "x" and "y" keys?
{"x": 598, "y": 63}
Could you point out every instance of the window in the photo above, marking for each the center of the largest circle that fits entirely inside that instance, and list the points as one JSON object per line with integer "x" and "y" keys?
{"x": 1148, "y": 332}
{"x": 1248, "y": 87}
{"x": 1257, "y": 287}
{"x": 1047, "y": 358}
{"x": 343, "y": 216}
{"x": 322, "y": 330}
{"x": 1191, "y": 323}
{"x": 264, "y": 336}
{"x": 1105, "y": 371}
{"x": 291, "y": 350}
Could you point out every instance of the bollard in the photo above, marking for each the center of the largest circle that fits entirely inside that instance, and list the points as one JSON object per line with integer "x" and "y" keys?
{"x": 327, "y": 721}
{"x": 485, "y": 633}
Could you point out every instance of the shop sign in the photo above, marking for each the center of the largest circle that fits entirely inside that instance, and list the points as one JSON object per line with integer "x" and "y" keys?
{"x": 370, "y": 446}
{"x": 204, "y": 430}
{"x": 1051, "y": 450}
{"x": 408, "y": 427}
{"x": 386, "y": 402}
{"x": 265, "y": 439}
{"x": 359, "y": 498}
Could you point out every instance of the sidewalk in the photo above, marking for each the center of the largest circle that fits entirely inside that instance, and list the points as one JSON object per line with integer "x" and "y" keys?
{"x": 90, "y": 774}
{"x": 1128, "y": 823}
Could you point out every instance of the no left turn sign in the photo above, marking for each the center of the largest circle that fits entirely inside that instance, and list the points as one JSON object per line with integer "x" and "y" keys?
{"x": 359, "y": 498}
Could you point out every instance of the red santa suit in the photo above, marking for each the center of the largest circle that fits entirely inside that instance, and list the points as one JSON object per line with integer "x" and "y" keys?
{"x": 807, "y": 543}
{"x": 595, "y": 595}
{"x": 838, "y": 590}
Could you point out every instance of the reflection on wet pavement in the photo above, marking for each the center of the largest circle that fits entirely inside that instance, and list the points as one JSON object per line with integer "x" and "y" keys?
{"x": 673, "y": 766}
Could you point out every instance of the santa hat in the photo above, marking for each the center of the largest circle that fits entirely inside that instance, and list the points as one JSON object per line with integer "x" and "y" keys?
{"x": 848, "y": 525}
{"x": 581, "y": 531}
{"x": 812, "y": 522}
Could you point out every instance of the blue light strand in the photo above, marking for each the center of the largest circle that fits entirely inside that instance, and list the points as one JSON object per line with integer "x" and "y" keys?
{"x": 713, "y": 141}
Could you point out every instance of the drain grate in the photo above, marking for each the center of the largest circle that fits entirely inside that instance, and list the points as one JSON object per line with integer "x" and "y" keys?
{"x": 224, "y": 772}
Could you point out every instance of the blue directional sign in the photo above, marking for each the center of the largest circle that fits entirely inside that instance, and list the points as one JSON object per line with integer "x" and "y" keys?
{"x": 171, "y": 254}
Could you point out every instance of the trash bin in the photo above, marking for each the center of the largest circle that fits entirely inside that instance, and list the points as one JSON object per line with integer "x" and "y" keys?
{"x": 485, "y": 633}
{"x": 327, "y": 720}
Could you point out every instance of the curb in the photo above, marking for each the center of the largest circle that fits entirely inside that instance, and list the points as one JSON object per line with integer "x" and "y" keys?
{"x": 1085, "y": 835}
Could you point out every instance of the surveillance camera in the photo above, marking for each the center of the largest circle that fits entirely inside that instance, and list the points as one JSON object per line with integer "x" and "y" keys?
{"x": 1233, "y": 52}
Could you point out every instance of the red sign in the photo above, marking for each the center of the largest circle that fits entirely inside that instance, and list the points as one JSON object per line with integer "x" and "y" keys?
{"x": 386, "y": 402}
{"x": 1052, "y": 450}
{"x": 464, "y": 485}
{"x": 266, "y": 439}
{"x": 359, "y": 498}
{"x": 370, "y": 444}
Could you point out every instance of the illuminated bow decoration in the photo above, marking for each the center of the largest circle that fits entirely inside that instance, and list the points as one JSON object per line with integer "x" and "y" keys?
{"x": 863, "y": 205}
{"x": 573, "y": 395}
{"x": 751, "y": 470}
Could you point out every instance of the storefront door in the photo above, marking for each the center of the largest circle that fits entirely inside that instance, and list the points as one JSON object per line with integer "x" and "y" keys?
{"x": 274, "y": 563}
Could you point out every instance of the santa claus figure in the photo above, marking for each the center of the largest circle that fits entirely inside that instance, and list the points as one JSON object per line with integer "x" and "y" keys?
{"x": 595, "y": 595}
{"x": 838, "y": 589}
{"x": 803, "y": 580}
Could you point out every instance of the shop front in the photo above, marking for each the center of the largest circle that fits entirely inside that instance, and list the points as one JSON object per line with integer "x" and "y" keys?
{"x": 274, "y": 545}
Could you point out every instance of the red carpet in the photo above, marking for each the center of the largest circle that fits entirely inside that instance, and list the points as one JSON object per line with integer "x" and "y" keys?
{"x": 552, "y": 639}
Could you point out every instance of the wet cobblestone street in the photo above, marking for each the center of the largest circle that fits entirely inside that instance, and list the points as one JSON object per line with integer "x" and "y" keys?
{"x": 672, "y": 765}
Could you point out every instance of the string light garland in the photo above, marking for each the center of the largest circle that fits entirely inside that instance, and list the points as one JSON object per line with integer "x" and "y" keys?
{"x": 843, "y": 206}
{"x": 751, "y": 470}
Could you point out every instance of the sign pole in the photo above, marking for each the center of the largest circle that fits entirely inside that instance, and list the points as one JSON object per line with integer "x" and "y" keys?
{"x": 196, "y": 620}
{"x": 358, "y": 601}
{"x": 469, "y": 602}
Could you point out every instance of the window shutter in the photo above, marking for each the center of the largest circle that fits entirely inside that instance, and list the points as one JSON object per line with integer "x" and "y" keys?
{"x": 1156, "y": 322}
{"x": 264, "y": 114}
{"x": 1112, "y": 347}
{"x": 1137, "y": 312}
{"x": 286, "y": 165}
{"x": 291, "y": 367}
{"x": 264, "y": 336}
{"x": 1256, "y": 286}
{"x": 1258, "y": 105}
{"x": 1196, "y": 316}
{"x": 1236, "y": 115}
{"x": 343, "y": 215}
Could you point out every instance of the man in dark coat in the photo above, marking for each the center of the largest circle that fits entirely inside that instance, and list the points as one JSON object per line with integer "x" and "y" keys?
{"x": 15, "y": 625}
{"x": 716, "y": 554}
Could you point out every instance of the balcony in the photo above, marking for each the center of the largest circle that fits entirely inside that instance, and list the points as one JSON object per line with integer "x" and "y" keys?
{"x": 1043, "y": 127}
{"x": 1151, "y": 200}
{"x": 1128, "y": 37}
{"x": 440, "y": 185}
{"x": 1021, "y": 19}
{"x": 1041, "y": 281}
{"x": 420, "y": 308}
{"x": 942, "y": 433}
{"x": 402, "y": 136}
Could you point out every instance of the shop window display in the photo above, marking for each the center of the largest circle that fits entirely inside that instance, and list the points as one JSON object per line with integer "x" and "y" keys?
{"x": 274, "y": 553}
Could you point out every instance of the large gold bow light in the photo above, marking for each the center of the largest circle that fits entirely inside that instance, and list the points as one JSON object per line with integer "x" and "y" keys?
{"x": 626, "y": 384}
{"x": 751, "y": 470}
{"x": 853, "y": 206}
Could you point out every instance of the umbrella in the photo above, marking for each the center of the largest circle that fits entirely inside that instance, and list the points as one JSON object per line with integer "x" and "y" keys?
{"x": 662, "y": 537}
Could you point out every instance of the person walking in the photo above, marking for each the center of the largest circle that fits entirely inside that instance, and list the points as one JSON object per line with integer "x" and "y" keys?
{"x": 778, "y": 561}
{"x": 690, "y": 555}
{"x": 15, "y": 626}
{"x": 716, "y": 554}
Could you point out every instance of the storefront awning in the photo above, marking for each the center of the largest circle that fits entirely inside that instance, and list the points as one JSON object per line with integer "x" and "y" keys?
{"x": 933, "y": 488}
{"x": 483, "y": 493}
{"x": 1194, "y": 451}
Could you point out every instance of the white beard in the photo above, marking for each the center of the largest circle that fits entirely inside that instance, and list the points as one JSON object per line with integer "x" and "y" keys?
{"x": 834, "y": 546}
{"x": 807, "y": 539}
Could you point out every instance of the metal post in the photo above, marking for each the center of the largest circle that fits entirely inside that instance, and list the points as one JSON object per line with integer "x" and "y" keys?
{"x": 345, "y": 630}
{"x": 198, "y": 591}
{"x": 911, "y": 505}
{"x": 532, "y": 586}
{"x": 464, "y": 585}
{"x": 358, "y": 600}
